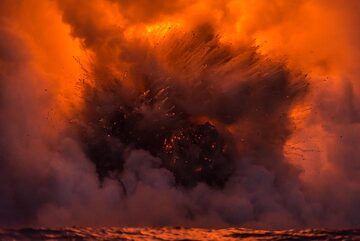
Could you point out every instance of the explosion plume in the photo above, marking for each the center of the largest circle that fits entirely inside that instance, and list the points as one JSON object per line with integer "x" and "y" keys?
{"x": 192, "y": 78}
{"x": 202, "y": 113}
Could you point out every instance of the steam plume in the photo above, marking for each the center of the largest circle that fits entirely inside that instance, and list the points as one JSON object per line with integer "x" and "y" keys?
{"x": 210, "y": 113}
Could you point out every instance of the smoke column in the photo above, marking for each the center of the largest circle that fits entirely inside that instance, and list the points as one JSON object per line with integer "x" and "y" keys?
{"x": 209, "y": 113}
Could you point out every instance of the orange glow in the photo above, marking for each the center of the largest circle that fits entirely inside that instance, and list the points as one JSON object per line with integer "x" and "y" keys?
{"x": 69, "y": 44}
{"x": 310, "y": 36}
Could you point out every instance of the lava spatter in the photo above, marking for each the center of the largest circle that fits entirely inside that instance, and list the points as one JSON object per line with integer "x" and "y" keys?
{"x": 181, "y": 103}
{"x": 197, "y": 153}
{"x": 192, "y": 152}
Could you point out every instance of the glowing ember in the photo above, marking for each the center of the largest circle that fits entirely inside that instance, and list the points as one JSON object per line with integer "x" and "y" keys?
{"x": 159, "y": 114}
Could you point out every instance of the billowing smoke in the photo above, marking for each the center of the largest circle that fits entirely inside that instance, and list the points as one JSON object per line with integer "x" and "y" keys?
{"x": 163, "y": 113}
{"x": 175, "y": 113}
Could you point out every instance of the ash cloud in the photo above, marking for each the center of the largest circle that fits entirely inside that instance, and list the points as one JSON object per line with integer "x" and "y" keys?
{"x": 186, "y": 77}
{"x": 232, "y": 87}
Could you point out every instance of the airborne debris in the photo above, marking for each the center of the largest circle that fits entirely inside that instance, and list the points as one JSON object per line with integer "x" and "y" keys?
{"x": 187, "y": 105}
{"x": 193, "y": 152}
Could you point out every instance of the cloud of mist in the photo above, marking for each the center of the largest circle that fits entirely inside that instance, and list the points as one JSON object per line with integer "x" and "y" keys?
{"x": 302, "y": 174}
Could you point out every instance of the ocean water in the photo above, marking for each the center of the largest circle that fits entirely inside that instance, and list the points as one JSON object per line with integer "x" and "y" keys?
{"x": 174, "y": 233}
